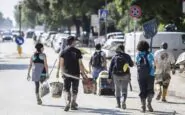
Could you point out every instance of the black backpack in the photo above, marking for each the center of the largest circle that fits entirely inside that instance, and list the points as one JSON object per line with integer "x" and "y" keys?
{"x": 143, "y": 67}
{"x": 119, "y": 62}
{"x": 97, "y": 59}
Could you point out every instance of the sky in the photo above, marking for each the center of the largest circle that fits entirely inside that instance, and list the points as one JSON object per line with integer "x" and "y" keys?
{"x": 7, "y": 8}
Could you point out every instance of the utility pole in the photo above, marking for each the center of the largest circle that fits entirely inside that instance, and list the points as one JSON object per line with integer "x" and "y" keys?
{"x": 20, "y": 16}
{"x": 106, "y": 20}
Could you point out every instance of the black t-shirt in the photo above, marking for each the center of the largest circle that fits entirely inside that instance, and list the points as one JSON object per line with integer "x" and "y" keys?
{"x": 71, "y": 56}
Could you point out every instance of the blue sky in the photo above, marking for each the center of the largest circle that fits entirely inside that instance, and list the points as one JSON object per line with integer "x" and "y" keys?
{"x": 7, "y": 8}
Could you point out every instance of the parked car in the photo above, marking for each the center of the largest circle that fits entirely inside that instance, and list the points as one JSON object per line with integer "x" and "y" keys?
{"x": 58, "y": 41}
{"x": 110, "y": 46}
{"x": 16, "y": 33}
{"x": 7, "y": 36}
{"x": 113, "y": 34}
{"x": 45, "y": 36}
{"x": 30, "y": 34}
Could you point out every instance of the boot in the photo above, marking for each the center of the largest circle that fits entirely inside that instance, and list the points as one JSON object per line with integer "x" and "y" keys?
{"x": 118, "y": 102}
{"x": 143, "y": 104}
{"x": 149, "y": 103}
{"x": 164, "y": 94}
{"x": 73, "y": 103}
{"x": 39, "y": 101}
{"x": 124, "y": 101}
{"x": 68, "y": 101}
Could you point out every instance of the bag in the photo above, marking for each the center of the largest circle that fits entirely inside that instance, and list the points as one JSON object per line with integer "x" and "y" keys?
{"x": 97, "y": 59}
{"x": 88, "y": 86}
{"x": 119, "y": 65}
{"x": 44, "y": 89}
{"x": 105, "y": 88}
{"x": 56, "y": 89}
{"x": 143, "y": 67}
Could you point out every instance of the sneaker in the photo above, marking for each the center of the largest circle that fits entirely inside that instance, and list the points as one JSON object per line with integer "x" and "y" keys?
{"x": 39, "y": 102}
{"x": 67, "y": 107}
{"x": 123, "y": 105}
{"x": 74, "y": 108}
{"x": 164, "y": 100}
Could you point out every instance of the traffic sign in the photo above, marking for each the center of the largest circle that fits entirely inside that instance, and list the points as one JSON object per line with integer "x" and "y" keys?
{"x": 103, "y": 14}
{"x": 150, "y": 28}
{"x": 19, "y": 40}
{"x": 135, "y": 11}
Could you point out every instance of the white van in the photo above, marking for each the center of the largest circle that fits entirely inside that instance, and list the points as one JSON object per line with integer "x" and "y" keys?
{"x": 175, "y": 40}
{"x": 110, "y": 46}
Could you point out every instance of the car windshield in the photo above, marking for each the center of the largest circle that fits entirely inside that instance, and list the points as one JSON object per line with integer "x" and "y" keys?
{"x": 113, "y": 45}
{"x": 7, "y": 33}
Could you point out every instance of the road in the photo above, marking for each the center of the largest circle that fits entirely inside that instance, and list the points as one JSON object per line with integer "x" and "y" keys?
{"x": 17, "y": 95}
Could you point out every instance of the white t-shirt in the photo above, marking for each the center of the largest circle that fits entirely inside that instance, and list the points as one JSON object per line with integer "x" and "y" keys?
{"x": 163, "y": 60}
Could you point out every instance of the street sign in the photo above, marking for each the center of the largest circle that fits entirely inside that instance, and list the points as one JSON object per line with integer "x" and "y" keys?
{"x": 135, "y": 11}
{"x": 150, "y": 28}
{"x": 103, "y": 14}
{"x": 19, "y": 40}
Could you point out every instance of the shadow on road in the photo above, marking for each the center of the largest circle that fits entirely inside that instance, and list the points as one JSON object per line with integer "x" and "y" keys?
{"x": 15, "y": 66}
{"x": 183, "y": 103}
{"x": 56, "y": 106}
{"x": 154, "y": 113}
{"x": 102, "y": 111}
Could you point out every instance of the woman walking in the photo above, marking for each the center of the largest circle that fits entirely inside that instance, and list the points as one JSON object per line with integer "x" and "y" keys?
{"x": 39, "y": 66}
{"x": 145, "y": 66}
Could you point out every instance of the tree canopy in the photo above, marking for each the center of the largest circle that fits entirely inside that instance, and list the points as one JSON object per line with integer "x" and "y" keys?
{"x": 57, "y": 13}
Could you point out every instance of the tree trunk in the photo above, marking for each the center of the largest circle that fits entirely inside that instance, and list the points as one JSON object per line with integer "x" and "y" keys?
{"x": 77, "y": 25}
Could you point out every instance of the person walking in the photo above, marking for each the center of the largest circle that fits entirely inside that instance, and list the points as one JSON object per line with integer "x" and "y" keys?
{"x": 119, "y": 71}
{"x": 164, "y": 61}
{"x": 39, "y": 66}
{"x": 97, "y": 63}
{"x": 71, "y": 65}
{"x": 145, "y": 69}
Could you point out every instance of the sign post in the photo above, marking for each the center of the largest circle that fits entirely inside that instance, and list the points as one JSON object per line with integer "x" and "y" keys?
{"x": 103, "y": 13}
{"x": 150, "y": 30}
{"x": 135, "y": 12}
{"x": 183, "y": 6}
{"x": 19, "y": 41}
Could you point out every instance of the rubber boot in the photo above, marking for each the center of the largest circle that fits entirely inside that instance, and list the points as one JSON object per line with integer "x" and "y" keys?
{"x": 143, "y": 104}
{"x": 73, "y": 103}
{"x": 159, "y": 94}
{"x": 118, "y": 100}
{"x": 68, "y": 101}
{"x": 124, "y": 101}
{"x": 39, "y": 101}
{"x": 164, "y": 95}
{"x": 149, "y": 103}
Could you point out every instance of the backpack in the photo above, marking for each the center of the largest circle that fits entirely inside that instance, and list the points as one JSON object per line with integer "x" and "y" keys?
{"x": 143, "y": 67}
{"x": 119, "y": 63}
{"x": 97, "y": 59}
